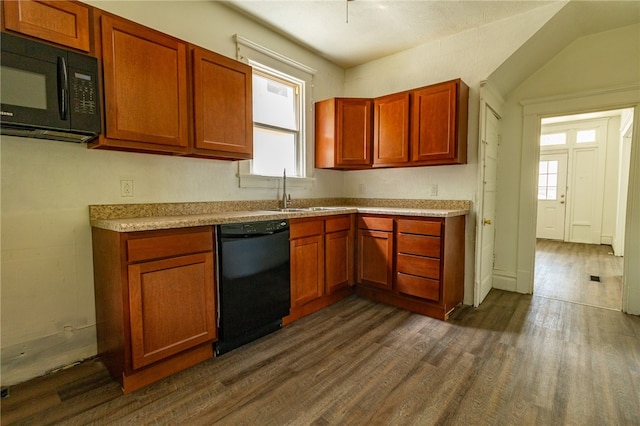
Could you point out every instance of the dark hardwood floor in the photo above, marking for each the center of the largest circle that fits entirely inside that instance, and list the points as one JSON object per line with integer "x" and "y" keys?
{"x": 517, "y": 359}
{"x": 564, "y": 270}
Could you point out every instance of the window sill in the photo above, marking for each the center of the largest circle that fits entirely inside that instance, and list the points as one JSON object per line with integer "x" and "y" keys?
{"x": 256, "y": 181}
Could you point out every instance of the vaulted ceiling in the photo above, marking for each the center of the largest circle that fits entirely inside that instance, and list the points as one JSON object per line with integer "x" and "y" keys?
{"x": 351, "y": 33}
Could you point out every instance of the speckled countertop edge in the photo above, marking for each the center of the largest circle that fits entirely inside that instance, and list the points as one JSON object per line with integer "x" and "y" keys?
{"x": 146, "y": 217}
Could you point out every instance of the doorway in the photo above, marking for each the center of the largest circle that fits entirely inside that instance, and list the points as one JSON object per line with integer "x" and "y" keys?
{"x": 582, "y": 182}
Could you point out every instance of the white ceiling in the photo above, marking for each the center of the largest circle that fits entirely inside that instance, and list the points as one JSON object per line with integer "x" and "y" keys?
{"x": 376, "y": 28}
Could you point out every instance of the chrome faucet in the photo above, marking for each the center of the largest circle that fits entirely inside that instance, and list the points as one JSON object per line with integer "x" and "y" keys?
{"x": 286, "y": 198}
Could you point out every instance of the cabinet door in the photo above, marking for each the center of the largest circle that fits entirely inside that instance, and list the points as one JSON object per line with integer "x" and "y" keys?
{"x": 223, "y": 110}
{"x": 353, "y": 132}
{"x": 62, "y": 22}
{"x": 307, "y": 269}
{"x": 172, "y": 306}
{"x": 338, "y": 258}
{"x": 391, "y": 129}
{"x": 145, "y": 87}
{"x": 375, "y": 256}
{"x": 433, "y": 125}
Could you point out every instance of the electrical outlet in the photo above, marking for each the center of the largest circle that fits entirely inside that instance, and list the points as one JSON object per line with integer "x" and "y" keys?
{"x": 434, "y": 190}
{"x": 361, "y": 189}
{"x": 126, "y": 187}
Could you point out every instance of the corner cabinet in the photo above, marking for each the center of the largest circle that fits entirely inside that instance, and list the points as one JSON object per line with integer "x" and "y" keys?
{"x": 66, "y": 23}
{"x": 143, "y": 334}
{"x": 418, "y": 266}
{"x": 223, "y": 110}
{"x": 419, "y": 127}
{"x": 343, "y": 133}
{"x": 375, "y": 251}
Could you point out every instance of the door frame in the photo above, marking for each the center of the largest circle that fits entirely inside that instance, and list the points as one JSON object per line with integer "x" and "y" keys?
{"x": 489, "y": 99}
{"x": 533, "y": 112}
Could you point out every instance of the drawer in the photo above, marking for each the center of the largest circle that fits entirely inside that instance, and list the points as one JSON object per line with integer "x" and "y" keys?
{"x": 338, "y": 223}
{"x": 420, "y": 245}
{"x": 375, "y": 223}
{"x": 419, "y": 287}
{"x": 166, "y": 244}
{"x": 305, "y": 228}
{"x": 422, "y": 227}
{"x": 420, "y": 266}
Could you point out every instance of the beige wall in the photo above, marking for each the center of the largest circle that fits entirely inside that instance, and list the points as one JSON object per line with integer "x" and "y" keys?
{"x": 472, "y": 56}
{"x": 48, "y": 316}
{"x": 594, "y": 64}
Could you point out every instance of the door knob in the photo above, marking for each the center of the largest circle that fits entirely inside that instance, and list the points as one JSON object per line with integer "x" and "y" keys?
{"x": 487, "y": 221}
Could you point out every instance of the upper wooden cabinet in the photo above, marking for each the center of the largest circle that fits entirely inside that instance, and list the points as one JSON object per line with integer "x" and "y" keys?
{"x": 391, "y": 131}
{"x": 343, "y": 133}
{"x": 439, "y": 124}
{"x": 163, "y": 95}
{"x": 145, "y": 88}
{"x": 419, "y": 127}
{"x": 223, "y": 111}
{"x": 62, "y": 22}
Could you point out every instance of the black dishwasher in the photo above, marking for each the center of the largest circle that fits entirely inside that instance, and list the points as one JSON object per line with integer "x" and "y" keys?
{"x": 253, "y": 281}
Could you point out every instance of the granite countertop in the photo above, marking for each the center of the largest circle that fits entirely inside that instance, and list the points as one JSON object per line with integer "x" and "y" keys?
{"x": 147, "y": 223}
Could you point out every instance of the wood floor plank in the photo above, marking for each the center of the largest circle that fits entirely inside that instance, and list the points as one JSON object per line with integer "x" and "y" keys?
{"x": 515, "y": 360}
{"x": 563, "y": 271}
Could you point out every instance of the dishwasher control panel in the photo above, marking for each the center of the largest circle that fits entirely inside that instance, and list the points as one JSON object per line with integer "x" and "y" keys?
{"x": 254, "y": 228}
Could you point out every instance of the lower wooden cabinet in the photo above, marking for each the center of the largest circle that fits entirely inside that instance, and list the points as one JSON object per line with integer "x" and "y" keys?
{"x": 338, "y": 253}
{"x": 155, "y": 302}
{"x": 321, "y": 262}
{"x": 416, "y": 263}
{"x": 375, "y": 251}
{"x": 307, "y": 262}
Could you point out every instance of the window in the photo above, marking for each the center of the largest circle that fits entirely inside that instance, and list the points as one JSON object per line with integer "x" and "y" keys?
{"x": 585, "y": 136}
{"x": 553, "y": 139}
{"x": 548, "y": 180}
{"x": 278, "y": 132}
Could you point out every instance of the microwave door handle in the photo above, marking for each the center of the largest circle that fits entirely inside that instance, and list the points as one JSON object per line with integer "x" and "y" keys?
{"x": 63, "y": 88}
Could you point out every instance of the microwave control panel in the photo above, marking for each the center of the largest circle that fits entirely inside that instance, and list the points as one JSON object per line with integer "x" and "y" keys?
{"x": 83, "y": 93}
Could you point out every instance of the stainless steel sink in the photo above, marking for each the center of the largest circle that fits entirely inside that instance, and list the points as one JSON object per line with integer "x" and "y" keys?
{"x": 307, "y": 209}
{"x": 326, "y": 208}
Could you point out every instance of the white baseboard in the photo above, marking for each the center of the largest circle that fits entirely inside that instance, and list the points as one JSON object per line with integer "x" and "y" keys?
{"x": 504, "y": 280}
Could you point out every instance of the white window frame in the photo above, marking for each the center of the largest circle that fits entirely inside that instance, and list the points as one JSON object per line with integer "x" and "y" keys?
{"x": 300, "y": 145}
{"x": 252, "y": 53}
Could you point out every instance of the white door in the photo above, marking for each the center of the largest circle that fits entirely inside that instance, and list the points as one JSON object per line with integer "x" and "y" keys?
{"x": 552, "y": 196}
{"x": 586, "y": 198}
{"x": 489, "y": 155}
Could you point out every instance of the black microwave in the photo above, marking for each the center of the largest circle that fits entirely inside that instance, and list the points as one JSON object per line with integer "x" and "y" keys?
{"x": 47, "y": 92}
